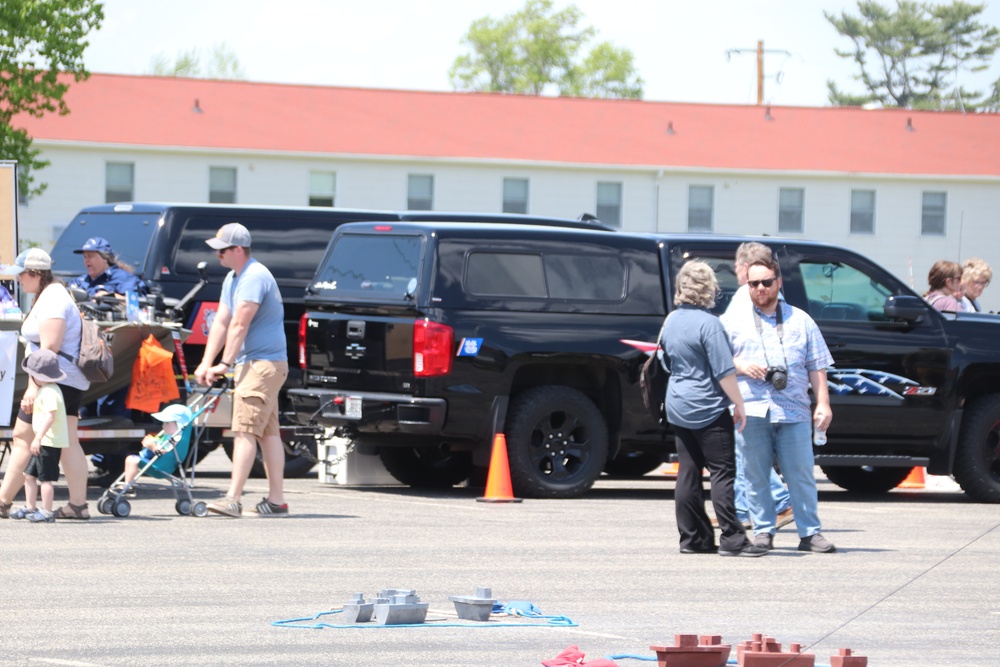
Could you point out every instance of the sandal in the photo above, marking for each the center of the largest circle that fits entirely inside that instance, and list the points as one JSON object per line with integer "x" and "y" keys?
{"x": 5, "y": 510}
{"x": 71, "y": 511}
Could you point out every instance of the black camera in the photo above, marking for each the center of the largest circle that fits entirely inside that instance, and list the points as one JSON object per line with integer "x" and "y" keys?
{"x": 777, "y": 376}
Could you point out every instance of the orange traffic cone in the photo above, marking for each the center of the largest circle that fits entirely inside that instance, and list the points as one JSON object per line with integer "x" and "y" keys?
{"x": 915, "y": 480}
{"x": 498, "y": 489}
{"x": 671, "y": 469}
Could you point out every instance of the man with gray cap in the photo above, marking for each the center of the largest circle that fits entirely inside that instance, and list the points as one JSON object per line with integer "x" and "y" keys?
{"x": 249, "y": 331}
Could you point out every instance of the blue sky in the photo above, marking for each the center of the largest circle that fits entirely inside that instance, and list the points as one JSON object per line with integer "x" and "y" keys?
{"x": 680, "y": 45}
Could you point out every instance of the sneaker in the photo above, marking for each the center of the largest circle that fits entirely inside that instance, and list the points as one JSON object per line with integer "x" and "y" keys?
{"x": 711, "y": 549}
{"x": 41, "y": 516}
{"x": 764, "y": 541}
{"x": 817, "y": 543}
{"x": 749, "y": 551}
{"x": 266, "y": 508}
{"x": 228, "y": 506}
{"x": 785, "y": 518}
{"x": 21, "y": 512}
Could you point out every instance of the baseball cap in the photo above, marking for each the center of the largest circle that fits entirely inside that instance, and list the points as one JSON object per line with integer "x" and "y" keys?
{"x": 32, "y": 259}
{"x": 175, "y": 412}
{"x": 95, "y": 244}
{"x": 229, "y": 235}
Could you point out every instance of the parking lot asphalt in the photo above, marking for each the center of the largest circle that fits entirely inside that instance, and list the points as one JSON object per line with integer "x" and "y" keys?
{"x": 914, "y": 581}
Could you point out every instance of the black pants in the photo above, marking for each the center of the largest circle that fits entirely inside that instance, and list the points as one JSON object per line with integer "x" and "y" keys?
{"x": 712, "y": 447}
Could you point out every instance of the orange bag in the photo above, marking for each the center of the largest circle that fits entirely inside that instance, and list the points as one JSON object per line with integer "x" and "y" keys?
{"x": 153, "y": 381}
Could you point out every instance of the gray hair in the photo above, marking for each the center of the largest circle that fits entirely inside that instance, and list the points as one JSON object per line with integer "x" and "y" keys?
{"x": 696, "y": 285}
{"x": 750, "y": 252}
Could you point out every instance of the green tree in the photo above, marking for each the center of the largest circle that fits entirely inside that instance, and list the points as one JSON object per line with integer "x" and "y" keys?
{"x": 41, "y": 53}
{"x": 537, "y": 49}
{"x": 910, "y": 56}
{"x": 222, "y": 64}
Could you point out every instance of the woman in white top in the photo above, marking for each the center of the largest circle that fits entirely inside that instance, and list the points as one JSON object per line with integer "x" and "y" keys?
{"x": 53, "y": 323}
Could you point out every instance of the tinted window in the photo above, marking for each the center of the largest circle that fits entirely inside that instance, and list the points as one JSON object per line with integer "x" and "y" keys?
{"x": 128, "y": 233}
{"x": 554, "y": 276}
{"x": 367, "y": 265}
{"x": 505, "y": 274}
{"x": 838, "y": 291}
{"x": 291, "y": 248}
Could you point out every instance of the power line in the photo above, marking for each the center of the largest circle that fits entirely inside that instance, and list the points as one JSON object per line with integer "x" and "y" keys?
{"x": 760, "y": 51}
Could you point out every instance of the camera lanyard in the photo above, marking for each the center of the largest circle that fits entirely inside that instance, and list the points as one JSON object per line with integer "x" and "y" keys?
{"x": 779, "y": 322}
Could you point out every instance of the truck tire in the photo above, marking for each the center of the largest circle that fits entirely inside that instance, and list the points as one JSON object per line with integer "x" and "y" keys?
{"x": 865, "y": 479}
{"x": 977, "y": 461}
{"x": 633, "y": 464}
{"x": 557, "y": 443}
{"x": 426, "y": 467}
{"x": 300, "y": 457}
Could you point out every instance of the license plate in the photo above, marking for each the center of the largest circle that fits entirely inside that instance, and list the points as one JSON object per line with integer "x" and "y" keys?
{"x": 352, "y": 408}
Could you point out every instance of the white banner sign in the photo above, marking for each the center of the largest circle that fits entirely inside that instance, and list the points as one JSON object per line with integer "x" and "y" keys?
{"x": 8, "y": 368}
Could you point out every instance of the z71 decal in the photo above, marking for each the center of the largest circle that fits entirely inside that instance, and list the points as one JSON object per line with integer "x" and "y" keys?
{"x": 865, "y": 382}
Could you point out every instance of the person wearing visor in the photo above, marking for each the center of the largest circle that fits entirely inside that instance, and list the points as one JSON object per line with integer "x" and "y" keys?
{"x": 105, "y": 274}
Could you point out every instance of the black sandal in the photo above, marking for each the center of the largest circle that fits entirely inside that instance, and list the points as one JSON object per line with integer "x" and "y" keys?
{"x": 71, "y": 511}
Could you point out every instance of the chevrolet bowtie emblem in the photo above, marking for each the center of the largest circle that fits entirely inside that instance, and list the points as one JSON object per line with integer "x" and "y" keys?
{"x": 355, "y": 351}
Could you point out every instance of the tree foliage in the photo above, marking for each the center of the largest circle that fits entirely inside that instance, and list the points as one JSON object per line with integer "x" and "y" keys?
{"x": 536, "y": 49}
{"x": 41, "y": 53}
{"x": 911, "y": 56}
{"x": 222, "y": 64}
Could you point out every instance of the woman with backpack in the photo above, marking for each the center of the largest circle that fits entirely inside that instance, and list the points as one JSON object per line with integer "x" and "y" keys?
{"x": 53, "y": 323}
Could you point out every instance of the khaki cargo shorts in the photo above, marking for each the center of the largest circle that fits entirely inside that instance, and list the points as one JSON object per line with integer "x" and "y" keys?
{"x": 255, "y": 399}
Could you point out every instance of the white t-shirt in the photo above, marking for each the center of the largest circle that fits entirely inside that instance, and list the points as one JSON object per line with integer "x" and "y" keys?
{"x": 55, "y": 303}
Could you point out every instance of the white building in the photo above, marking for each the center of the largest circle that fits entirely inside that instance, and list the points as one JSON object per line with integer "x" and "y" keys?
{"x": 904, "y": 187}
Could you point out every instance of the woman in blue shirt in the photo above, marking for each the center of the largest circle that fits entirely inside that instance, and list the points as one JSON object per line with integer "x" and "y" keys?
{"x": 702, "y": 387}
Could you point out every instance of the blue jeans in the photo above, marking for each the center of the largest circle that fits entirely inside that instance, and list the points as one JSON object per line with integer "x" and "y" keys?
{"x": 791, "y": 444}
{"x": 778, "y": 490}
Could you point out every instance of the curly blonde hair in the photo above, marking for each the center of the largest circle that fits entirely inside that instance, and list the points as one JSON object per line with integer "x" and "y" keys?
{"x": 696, "y": 285}
{"x": 976, "y": 269}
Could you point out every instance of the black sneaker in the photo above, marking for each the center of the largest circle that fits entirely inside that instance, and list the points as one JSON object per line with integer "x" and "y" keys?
{"x": 817, "y": 543}
{"x": 764, "y": 541}
{"x": 749, "y": 551}
{"x": 699, "y": 550}
{"x": 266, "y": 508}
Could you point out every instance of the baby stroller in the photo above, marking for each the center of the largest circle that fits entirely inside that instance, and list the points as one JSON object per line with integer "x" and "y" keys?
{"x": 167, "y": 463}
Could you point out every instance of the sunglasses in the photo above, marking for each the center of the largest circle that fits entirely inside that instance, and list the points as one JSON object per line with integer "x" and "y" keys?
{"x": 222, "y": 252}
{"x": 767, "y": 282}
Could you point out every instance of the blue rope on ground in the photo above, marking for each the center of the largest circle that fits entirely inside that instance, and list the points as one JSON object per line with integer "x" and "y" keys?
{"x": 307, "y": 624}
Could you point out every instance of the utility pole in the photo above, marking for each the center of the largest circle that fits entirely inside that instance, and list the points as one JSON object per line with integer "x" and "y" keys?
{"x": 760, "y": 64}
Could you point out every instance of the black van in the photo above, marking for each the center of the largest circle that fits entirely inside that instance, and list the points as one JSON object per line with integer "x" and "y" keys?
{"x": 165, "y": 242}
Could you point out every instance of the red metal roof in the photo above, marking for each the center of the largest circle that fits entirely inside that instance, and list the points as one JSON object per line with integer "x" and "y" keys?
{"x": 158, "y": 111}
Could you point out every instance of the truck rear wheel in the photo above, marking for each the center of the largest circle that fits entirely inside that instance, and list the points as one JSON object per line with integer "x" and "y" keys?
{"x": 865, "y": 479}
{"x": 557, "y": 443}
{"x": 426, "y": 467}
{"x": 977, "y": 461}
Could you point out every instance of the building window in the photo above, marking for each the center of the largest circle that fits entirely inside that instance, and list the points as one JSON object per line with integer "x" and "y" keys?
{"x": 862, "y": 211}
{"x": 515, "y": 195}
{"x": 420, "y": 193}
{"x": 609, "y": 203}
{"x": 700, "y": 202}
{"x": 322, "y": 188}
{"x": 221, "y": 185}
{"x": 791, "y": 210}
{"x": 119, "y": 180}
{"x": 933, "y": 214}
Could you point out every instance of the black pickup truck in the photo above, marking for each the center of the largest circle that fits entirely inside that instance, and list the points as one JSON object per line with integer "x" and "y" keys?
{"x": 420, "y": 341}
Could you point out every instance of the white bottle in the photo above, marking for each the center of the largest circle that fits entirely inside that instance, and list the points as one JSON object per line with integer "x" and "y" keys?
{"x": 819, "y": 437}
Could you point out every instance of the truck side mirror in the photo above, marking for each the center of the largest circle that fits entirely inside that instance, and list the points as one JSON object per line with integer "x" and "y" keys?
{"x": 905, "y": 307}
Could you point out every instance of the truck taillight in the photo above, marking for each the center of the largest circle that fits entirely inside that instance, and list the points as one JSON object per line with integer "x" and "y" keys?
{"x": 433, "y": 345}
{"x": 302, "y": 341}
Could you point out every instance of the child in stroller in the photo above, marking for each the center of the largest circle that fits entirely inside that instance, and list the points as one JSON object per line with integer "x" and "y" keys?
{"x": 161, "y": 457}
